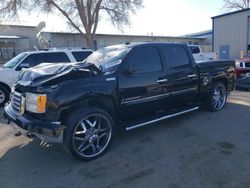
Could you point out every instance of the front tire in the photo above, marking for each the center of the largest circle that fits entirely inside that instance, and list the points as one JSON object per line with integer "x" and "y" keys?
{"x": 4, "y": 95}
{"x": 89, "y": 133}
{"x": 217, "y": 97}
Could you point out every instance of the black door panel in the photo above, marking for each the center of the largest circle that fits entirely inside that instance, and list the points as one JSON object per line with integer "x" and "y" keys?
{"x": 145, "y": 87}
{"x": 142, "y": 92}
{"x": 183, "y": 76}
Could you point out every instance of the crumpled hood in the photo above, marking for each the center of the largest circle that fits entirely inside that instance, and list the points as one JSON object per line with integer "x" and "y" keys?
{"x": 51, "y": 73}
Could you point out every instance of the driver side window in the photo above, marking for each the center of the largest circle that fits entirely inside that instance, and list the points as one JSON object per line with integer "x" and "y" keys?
{"x": 32, "y": 60}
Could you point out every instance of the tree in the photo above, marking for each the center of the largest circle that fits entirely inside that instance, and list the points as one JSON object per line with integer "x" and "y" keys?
{"x": 236, "y": 4}
{"x": 82, "y": 15}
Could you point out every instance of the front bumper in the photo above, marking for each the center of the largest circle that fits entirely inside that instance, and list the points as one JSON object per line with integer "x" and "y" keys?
{"x": 46, "y": 131}
{"x": 240, "y": 73}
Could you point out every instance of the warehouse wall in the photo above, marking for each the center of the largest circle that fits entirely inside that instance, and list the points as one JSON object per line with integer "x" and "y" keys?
{"x": 25, "y": 38}
{"x": 231, "y": 32}
{"x": 26, "y": 32}
{"x": 102, "y": 40}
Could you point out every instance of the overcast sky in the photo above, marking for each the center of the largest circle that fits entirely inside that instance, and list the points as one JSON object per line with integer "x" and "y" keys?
{"x": 160, "y": 17}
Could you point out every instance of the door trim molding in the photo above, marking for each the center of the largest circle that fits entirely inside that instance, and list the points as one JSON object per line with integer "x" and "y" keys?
{"x": 146, "y": 99}
{"x": 183, "y": 91}
{"x": 161, "y": 118}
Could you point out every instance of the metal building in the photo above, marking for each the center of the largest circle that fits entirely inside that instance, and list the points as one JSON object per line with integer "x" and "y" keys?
{"x": 17, "y": 38}
{"x": 64, "y": 39}
{"x": 231, "y": 34}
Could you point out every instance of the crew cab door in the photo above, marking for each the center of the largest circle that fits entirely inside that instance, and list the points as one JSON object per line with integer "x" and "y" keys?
{"x": 183, "y": 75}
{"x": 142, "y": 82}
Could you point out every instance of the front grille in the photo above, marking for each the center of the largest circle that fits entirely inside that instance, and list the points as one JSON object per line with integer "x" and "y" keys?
{"x": 16, "y": 100}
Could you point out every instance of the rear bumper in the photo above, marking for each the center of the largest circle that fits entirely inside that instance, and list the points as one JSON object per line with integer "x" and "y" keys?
{"x": 46, "y": 131}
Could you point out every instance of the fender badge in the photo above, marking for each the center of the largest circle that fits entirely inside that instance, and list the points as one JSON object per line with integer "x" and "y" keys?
{"x": 110, "y": 79}
{"x": 205, "y": 81}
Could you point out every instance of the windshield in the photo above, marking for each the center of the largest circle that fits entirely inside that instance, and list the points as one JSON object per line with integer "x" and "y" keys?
{"x": 13, "y": 62}
{"x": 107, "y": 59}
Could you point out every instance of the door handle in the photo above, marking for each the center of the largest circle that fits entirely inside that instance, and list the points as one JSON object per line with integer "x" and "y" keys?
{"x": 192, "y": 76}
{"x": 162, "y": 80}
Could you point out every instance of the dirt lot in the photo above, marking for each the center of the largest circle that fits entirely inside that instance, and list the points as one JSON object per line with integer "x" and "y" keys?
{"x": 201, "y": 149}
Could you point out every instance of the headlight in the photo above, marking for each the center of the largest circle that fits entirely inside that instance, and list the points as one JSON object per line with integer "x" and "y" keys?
{"x": 36, "y": 103}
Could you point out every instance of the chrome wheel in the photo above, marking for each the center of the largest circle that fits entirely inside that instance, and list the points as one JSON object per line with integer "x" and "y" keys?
{"x": 2, "y": 96}
{"x": 92, "y": 135}
{"x": 219, "y": 97}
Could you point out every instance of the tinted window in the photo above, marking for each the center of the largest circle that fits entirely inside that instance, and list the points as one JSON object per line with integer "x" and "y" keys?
{"x": 176, "y": 56}
{"x": 247, "y": 65}
{"x": 195, "y": 49}
{"x": 33, "y": 60}
{"x": 56, "y": 57}
{"x": 145, "y": 59}
{"x": 80, "y": 56}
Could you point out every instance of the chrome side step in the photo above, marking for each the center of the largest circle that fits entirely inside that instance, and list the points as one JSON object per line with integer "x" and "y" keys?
{"x": 161, "y": 118}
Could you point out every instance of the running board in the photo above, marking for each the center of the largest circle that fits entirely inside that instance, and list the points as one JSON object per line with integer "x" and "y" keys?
{"x": 161, "y": 118}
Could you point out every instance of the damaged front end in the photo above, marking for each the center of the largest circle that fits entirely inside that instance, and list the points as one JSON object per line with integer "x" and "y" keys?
{"x": 29, "y": 115}
{"x": 34, "y": 107}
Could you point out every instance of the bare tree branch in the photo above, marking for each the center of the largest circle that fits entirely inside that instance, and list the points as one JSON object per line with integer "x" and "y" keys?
{"x": 83, "y": 15}
{"x": 236, "y": 4}
{"x": 64, "y": 13}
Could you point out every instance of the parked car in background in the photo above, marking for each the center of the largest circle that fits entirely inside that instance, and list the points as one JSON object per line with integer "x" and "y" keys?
{"x": 243, "y": 83}
{"x": 10, "y": 70}
{"x": 199, "y": 55}
{"x": 242, "y": 67}
{"x": 117, "y": 87}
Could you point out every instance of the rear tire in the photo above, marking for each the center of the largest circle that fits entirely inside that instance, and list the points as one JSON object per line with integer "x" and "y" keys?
{"x": 217, "y": 97}
{"x": 89, "y": 133}
{"x": 4, "y": 95}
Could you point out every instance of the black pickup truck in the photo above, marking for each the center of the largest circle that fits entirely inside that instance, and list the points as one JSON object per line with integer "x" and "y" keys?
{"x": 82, "y": 105}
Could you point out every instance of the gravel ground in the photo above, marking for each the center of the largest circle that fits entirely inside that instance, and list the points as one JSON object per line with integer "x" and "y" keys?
{"x": 201, "y": 149}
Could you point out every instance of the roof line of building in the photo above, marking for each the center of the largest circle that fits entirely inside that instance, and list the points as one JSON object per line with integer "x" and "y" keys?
{"x": 122, "y": 35}
{"x": 16, "y": 25}
{"x": 13, "y": 37}
{"x": 198, "y": 34}
{"x": 226, "y": 14}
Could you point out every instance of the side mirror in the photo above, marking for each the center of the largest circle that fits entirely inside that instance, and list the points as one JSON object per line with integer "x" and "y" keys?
{"x": 23, "y": 66}
{"x": 130, "y": 70}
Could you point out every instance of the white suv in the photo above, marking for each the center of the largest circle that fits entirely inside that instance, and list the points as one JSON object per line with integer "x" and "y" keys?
{"x": 10, "y": 71}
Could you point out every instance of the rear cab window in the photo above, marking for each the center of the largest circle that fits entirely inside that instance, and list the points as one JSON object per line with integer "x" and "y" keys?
{"x": 81, "y": 55}
{"x": 176, "y": 57}
{"x": 145, "y": 60}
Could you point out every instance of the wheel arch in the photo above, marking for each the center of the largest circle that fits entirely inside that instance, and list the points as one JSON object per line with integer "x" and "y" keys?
{"x": 106, "y": 103}
{"x": 6, "y": 86}
{"x": 222, "y": 79}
